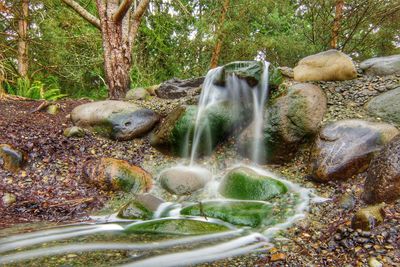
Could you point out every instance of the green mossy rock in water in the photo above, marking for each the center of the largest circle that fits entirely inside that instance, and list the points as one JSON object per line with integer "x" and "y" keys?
{"x": 175, "y": 134}
{"x": 244, "y": 213}
{"x": 244, "y": 183}
{"x": 176, "y": 227}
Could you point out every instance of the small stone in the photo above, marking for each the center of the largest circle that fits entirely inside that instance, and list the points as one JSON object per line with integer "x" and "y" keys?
{"x": 368, "y": 218}
{"x": 278, "y": 257}
{"x": 373, "y": 262}
{"x": 11, "y": 159}
{"x": 53, "y": 109}
{"x": 74, "y": 131}
{"x": 8, "y": 199}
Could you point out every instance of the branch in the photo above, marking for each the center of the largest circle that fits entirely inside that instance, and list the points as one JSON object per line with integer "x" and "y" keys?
{"x": 84, "y": 13}
{"x": 140, "y": 9}
{"x": 121, "y": 12}
{"x": 137, "y": 17}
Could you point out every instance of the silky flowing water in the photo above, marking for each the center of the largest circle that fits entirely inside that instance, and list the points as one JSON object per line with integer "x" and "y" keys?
{"x": 105, "y": 243}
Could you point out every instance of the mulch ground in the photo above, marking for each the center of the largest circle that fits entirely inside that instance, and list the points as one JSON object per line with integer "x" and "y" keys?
{"x": 51, "y": 186}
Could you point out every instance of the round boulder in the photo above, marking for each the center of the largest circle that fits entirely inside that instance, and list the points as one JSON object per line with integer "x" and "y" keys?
{"x": 383, "y": 178}
{"x": 184, "y": 180}
{"x": 331, "y": 65}
{"x": 381, "y": 66}
{"x": 117, "y": 175}
{"x": 115, "y": 119}
{"x": 386, "y": 106}
{"x": 345, "y": 148}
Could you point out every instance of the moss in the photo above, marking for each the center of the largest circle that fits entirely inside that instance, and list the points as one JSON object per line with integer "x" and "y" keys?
{"x": 135, "y": 210}
{"x": 243, "y": 183}
{"x": 182, "y": 131}
{"x": 176, "y": 227}
{"x": 245, "y": 213}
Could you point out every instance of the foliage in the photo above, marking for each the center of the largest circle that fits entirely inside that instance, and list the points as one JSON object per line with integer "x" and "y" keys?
{"x": 34, "y": 90}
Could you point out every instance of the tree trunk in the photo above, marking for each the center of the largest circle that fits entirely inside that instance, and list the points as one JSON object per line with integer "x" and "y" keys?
{"x": 218, "y": 45}
{"x": 336, "y": 23}
{"x": 22, "y": 39}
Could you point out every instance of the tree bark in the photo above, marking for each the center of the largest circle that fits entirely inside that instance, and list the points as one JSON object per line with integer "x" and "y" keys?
{"x": 336, "y": 23}
{"x": 119, "y": 27}
{"x": 218, "y": 44}
{"x": 23, "y": 63}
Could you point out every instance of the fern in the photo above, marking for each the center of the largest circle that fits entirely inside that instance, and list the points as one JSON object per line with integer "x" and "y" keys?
{"x": 35, "y": 90}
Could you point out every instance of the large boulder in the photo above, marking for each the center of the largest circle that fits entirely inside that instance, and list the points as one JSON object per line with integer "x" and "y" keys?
{"x": 292, "y": 119}
{"x": 176, "y": 132}
{"x": 331, "y": 65}
{"x": 176, "y": 88}
{"x": 176, "y": 227}
{"x": 244, "y": 213}
{"x": 115, "y": 119}
{"x": 117, "y": 175}
{"x": 383, "y": 178}
{"x": 182, "y": 180}
{"x": 245, "y": 184}
{"x": 345, "y": 148}
{"x": 11, "y": 159}
{"x": 386, "y": 106}
{"x": 381, "y": 66}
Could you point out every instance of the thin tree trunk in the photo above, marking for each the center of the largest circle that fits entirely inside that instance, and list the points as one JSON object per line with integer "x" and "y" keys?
{"x": 218, "y": 44}
{"x": 336, "y": 23}
{"x": 23, "y": 63}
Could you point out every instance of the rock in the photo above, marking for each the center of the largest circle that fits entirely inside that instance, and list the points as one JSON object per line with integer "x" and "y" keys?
{"x": 345, "y": 148}
{"x": 368, "y": 218}
{"x": 11, "y": 159}
{"x": 141, "y": 208}
{"x": 115, "y": 119}
{"x": 331, "y": 65}
{"x": 74, "y": 131}
{"x": 347, "y": 201}
{"x": 117, "y": 175}
{"x": 244, "y": 213}
{"x": 291, "y": 120}
{"x": 381, "y": 66}
{"x": 373, "y": 262}
{"x": 278, "y": 257}
{"x": 176, "y": 227}
{"x": 251, "y": 71}
{"x": 176, "y": 88}
{"x": 383, "y": 177}
{"x": 137, "y": 94}
{"x": 8, "y": 199}
{"x": 152, "y": 89}
{"x": 184, "y": 180}
{"x": 386, "y": 106}
{"x": 286, "y": 71}
{"x": 175, "y": 132}
{"x": 53, "y": 109}
{"x": 244, "y": 183}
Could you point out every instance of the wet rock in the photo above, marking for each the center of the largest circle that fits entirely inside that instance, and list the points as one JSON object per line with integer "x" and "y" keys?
{"x": 345, "y": 148}
{"x": 368, "y": 218}
{"x": 53, "y": 109}
{"x": 291, "y": 120}
{"x": 11, "y": 159}
{"x": 245, "y": 184}
{"x": 137, "y": 94}
{"x": 383, "y": 178}
{"x": 244, "y": 213}
{"x": 331, "y": 65}
{"x": 8, "y": 199}
{"x": 184, "y": 180}
{"x": 176, "y": 227}
{"x": 251, "y": 71}
{"x": 381, "y": 66}
{"x": 74, "y": 131}
{"x": 176, "y": 88}
{"x": 115, "y": 119}
{"x": 141, "y": 208}
{"x": 386, "y": 106}
{"x": 177, "y": 129}
{"x": 117, "y": 175}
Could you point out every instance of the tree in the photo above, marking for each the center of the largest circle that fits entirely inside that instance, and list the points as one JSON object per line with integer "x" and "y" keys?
{"x": 218, "y": 44}
{"x": 23, "y": 62}
{"x": 119, "y": 26}
{"x": 336, "y": 23}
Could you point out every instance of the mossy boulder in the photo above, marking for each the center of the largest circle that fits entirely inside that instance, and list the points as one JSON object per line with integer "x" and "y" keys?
{"x": 386, "y": 106}
{"x": 117, "y": 175}
{"x": 245, "y": 184}
{"x": 291, "y": 119}
{"x": 243, "y": 213}
{"x": 113, "y": 119}
{"x": 170, "y": 226}
{"x": 11, "y": 159}
{"x": 175, "y": 134}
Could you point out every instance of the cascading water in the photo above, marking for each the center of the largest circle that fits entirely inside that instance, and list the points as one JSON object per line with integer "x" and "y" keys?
{"x": 107, "y": 244}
